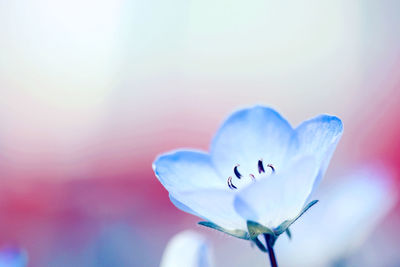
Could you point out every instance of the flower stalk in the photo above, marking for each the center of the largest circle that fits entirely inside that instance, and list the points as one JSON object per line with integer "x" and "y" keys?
{"x": 271, "y": 253}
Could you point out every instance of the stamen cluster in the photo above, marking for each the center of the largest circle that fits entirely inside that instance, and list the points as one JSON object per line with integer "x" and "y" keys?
{"x": 238, "y": 175}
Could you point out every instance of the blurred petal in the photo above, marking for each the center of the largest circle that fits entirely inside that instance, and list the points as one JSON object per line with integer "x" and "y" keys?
{"x": 186, "y": 170}
{"x": 249, "y": 135}
{"x": 337, "y": 226}
{"x": 319, "y": 137}
{"x": 187, "y": 249}
{"x": 13, "y": 257}
{"x": 276, "y": 198}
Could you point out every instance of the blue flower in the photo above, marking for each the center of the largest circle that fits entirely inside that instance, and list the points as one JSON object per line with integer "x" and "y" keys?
{"x": 259, "y": 169}
{"x": 187, "y": 248}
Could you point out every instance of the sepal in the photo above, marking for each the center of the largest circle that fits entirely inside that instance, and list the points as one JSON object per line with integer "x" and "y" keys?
{"x": 288, "y": 233}
{"x": 259, "y": 244}
{"x": 235, "y": 233}
{"x": 255, "y": 229}
{"x": 285, "y": 225}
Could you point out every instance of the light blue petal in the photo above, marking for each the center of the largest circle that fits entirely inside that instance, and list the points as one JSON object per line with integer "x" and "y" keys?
{"x": 249, "y": 135}
{"x": 276, "y": 198}
{"x": 187, "y": 249}
{"x": 195, "y": 188}
{"x": 186, "y": 170}
{"x": 182, "y": 206}
{"x": 319, "y": 137}
{"x": 212, "y": 205}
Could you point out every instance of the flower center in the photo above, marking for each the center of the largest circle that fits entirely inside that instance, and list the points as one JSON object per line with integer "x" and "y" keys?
{"x": 238, "y": 175}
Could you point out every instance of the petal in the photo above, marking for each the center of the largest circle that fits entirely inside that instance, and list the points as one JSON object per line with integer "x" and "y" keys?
{"x": 195, "y": 188}
{"x": 365, "y": 196}
{"x": 182, "y": 206}
{"x": 185, "y": 249}
{"x": 249, "y": 135}
{"x": 276, "y": 198}
{"x": 13, "y": 257}
{"x": 212, "y": 205}
{"x": 319, "y": 137}
{"x": 186, "y": 170}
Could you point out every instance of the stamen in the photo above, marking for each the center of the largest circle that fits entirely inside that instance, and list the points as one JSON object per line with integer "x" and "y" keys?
{"x": 237, "y": 173}
{"x": 260, "y": 166}
{"x": 252, "y": 177}
{"x": 272, "y": 167}
{"x": 231, "y": 186}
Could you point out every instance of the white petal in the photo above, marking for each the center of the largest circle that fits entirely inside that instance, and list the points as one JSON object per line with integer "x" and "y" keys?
{"x": 319, "y": 137}
{"x": 212, "y": 205}
{"x": 187, "y": 249}
{"x": 279, "y": 197}
{"x": 249, "y": 135}
{"x": 186, "y": 170}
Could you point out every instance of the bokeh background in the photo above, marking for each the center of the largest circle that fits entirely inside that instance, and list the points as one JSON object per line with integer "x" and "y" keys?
{"x": 91, "y": 91}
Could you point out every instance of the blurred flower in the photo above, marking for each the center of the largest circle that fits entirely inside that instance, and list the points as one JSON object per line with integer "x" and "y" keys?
{"x": 338, "y": 226}
{"x": 187, "y": 249}
{"x": 13, "y": 257}
{"x": 230, "y": 186}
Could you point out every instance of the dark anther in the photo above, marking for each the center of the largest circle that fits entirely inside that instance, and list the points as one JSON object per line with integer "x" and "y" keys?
{"x": 237, "y": 173}
{"x": 231, "y": 186}
{"x": 272, "y": 167}
{"x": 252, "y": 177}
{"x": 260, "y": 166}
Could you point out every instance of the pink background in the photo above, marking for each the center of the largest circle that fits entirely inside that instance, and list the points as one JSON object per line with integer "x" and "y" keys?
{"x": 91, "y": 92}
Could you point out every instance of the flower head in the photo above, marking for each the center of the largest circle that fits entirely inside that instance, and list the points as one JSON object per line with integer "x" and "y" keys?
{"x": 259, "y": 169}
{"x": 187, "y": 248}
